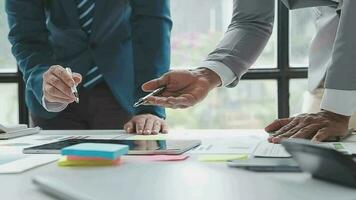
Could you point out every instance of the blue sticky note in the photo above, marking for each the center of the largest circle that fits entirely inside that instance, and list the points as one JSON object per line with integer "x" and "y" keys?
{"x": 98, "y": 150}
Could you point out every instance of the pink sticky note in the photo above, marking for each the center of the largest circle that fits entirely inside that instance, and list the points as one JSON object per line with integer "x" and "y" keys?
{"x": 74, "y": 158}
{"x": 163, "y": 157}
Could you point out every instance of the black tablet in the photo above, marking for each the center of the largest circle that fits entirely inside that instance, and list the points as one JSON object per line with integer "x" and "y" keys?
{"x": 136, "y": 147}
{"x": 266, "y": 164}
{"x": 322, "y": 162}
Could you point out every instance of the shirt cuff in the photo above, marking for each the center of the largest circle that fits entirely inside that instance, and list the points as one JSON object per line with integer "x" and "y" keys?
{"x": 227, "y": 76}
{"x": 342, "y": 102}
{"x": 53, "y": 106}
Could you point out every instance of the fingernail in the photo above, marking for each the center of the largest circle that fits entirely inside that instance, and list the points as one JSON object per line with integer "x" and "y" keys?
{"x": 147, "y": 131}
{"x": 139, "y": 131}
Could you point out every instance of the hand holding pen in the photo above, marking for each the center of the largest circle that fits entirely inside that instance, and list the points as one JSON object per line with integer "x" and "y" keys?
{"x": 59, "y": 85}
{"x": 183, "y": 88}
{"x": 144, "y": 100}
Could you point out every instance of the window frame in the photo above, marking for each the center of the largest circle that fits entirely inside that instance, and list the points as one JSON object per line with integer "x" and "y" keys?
{"x": 283, "y": 73}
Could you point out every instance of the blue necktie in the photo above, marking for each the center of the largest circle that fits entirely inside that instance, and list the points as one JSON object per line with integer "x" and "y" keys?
{"x": 86, "y": 10}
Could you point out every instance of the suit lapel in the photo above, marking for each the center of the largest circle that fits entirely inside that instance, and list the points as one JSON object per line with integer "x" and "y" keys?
{"x": 70, "y": 7}
{"x": 100, "y": 6}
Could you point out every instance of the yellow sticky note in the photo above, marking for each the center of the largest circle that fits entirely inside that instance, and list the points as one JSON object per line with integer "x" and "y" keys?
{"x": 221, "y": 157}
{"x": 148, "y": 137}
{"x": 65, "y": 162}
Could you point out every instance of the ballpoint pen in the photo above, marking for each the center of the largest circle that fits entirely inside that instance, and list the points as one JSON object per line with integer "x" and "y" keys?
{"x": 143, "y": 100}
{"x": 74, "y": 88}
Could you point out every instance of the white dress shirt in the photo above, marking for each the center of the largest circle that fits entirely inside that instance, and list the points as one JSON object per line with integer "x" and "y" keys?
{"x": 53, "y": 106}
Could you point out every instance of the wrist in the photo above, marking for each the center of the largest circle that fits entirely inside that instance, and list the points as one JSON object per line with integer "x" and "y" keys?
{"x": 336, "y": 115}
{"x": 212, "y": 77}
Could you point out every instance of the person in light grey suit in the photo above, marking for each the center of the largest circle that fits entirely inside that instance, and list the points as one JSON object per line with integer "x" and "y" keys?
{"x": 332, "y": 65}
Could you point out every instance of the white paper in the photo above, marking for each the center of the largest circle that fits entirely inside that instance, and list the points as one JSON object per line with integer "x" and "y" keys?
{"x": 26, "y": 162}
{"x": 243, "y": 145}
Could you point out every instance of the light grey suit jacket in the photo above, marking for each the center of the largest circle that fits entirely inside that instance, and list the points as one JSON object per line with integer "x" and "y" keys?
{"x": 332, "y": 55}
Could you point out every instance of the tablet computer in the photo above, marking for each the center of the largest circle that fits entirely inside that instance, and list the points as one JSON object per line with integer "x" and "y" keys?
{"x": 266, "y": 164}
{"x": 136, "y": 147}
{"x": 322, "y": 162}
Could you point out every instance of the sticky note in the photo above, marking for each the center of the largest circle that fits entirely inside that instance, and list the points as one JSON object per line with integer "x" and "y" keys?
{"x": 76, "y": 158}
{"x": 81, "y": 162}
{"x": 97, "y": 150}
{"x": 148, "y": 137}
{"x": 221, "y": 157}
{"x": 163, "y": 157}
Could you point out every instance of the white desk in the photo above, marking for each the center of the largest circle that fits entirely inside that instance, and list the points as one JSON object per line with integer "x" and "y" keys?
{"x": 184, "y": 180}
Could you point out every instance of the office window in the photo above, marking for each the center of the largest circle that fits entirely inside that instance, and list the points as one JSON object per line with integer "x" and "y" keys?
{"x": 262, "y": 94}
{"x": 298, "y": 88}
{"x": 252, "y": 104}
{"x": 9, "y": 103}
{"x": 302, "y": 31}
{"x": 7, "y": 62}
{"x": 198, "y": 27}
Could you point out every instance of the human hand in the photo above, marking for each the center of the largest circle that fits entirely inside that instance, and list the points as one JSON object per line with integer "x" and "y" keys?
{"x": 183, "y": 88}
{"x": 318, "y": 127}
{"x": 57, "y": 83}
{"x": 146, "y": 124}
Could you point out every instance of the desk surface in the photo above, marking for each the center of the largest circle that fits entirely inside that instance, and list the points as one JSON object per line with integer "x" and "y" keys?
{"x": 188, "y": 179}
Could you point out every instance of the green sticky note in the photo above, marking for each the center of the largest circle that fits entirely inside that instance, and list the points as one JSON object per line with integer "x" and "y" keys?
{"x": 148, "y": 137}
{"x": 221, "y": 157}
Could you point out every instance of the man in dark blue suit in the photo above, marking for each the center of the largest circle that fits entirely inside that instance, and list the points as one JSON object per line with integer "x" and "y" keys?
{"x": 112, "y": 46}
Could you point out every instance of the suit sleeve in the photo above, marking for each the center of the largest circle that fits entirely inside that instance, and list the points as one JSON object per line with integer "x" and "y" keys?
{"x": 151, "y": 27}
{"x": 340, "y": 84}
{"x": 29, "y": 38}
{"x": 246, "y": 37}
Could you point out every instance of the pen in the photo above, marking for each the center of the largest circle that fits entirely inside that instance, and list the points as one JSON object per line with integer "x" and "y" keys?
{"x": 143, "y": 100}
{"x": 74, "y": 88}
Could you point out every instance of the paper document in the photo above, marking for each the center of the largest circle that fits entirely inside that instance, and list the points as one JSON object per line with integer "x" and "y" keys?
{"x": 221, "y": 157}
{"x": 10, "y": 164}
{"x": 223, "y": 147}
{"x": 266, "y": 149}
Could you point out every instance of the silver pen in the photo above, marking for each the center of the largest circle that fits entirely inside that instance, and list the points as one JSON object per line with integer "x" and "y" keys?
{"x": 143, "y": 100}
{"x": 74, "y": 88}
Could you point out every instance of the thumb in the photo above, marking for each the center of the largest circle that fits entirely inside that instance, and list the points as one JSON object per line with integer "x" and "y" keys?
{"x": 156, "y": 83}
{"x": 77, "y": 78}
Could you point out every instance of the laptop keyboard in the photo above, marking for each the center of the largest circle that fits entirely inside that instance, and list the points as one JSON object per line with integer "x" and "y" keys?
{"x": 266, "y": 149}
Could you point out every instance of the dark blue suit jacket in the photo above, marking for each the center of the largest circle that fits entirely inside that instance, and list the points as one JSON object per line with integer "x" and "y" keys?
{"x": 130, "y": 44}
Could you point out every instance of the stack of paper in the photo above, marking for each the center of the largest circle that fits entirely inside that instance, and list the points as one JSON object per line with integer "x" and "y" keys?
{"x": 92, "y": 154}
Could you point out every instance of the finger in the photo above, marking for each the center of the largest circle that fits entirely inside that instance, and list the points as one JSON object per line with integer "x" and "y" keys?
{"x": 287, "y": 127}
{"x": 77, "y": 78}
{"x": 60, "y": 85}
{"x": 148, "y": 126}
{"x": 159, "y": 101}
{"x": 164, "y": 127}
{"x": 129, "y": 127}
{"x": 54, "y": 99}
{"x": 140, "y": 124}
{"x": 308, "y": 131}
{"x": 180, "y": 101}
{"x": 62, "y": 74}
{"x": 288, "y": 134}
{"x": 51, "y": 91}
{"x": 156, "y": 127}
{"x": 321, "y": 135}
{"x": 156, "y": 83}
{"x": 277, "y": 124}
